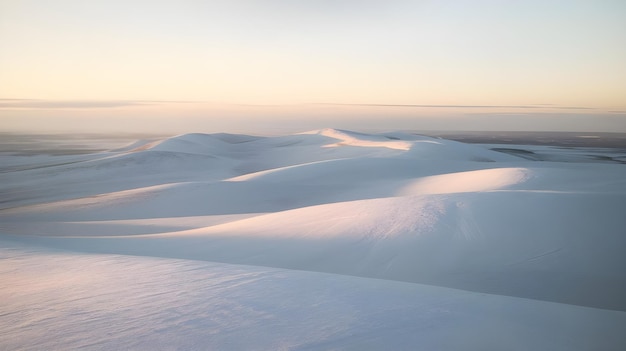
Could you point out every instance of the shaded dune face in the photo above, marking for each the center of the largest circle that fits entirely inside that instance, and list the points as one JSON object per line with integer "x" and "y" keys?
{"x": 393, "y": 206}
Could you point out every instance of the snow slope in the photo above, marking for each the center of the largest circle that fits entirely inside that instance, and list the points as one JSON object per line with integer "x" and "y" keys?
{"x": 53, "y": 300}
{"x": 311, "y": 217}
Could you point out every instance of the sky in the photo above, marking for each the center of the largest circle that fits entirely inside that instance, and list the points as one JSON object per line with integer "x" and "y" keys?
{"x": 191, "y": 65}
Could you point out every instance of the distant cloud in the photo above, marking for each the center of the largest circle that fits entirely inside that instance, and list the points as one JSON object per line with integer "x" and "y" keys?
{"x": 76, "y": 104}
{"x": 27, "y": 103}
{"x": 538, "y": 106}
{"x": 105, "y": 104}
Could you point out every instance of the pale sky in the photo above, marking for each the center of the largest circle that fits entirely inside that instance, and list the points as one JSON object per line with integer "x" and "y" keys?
{"x": 529, "y": 65}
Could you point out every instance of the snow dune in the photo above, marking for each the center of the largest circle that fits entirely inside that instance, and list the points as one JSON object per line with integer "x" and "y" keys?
{"x": 327, "y": 218}
{"x": 61, "y": 301}
{"x": 471, "y": 181}
{"x": 362, "y": 140}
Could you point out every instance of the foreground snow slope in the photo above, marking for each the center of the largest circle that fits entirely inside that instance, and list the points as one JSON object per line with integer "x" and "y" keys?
{"x": 396, "y": 210}
{"x": 60, "y": 301}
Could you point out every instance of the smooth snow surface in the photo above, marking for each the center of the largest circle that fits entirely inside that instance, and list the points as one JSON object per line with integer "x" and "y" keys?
{"x": 322, "y": 240}
{"x": 61, "y": 301}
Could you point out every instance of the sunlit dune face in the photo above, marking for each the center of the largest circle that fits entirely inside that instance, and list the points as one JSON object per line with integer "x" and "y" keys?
{"x": 483, "y": 180}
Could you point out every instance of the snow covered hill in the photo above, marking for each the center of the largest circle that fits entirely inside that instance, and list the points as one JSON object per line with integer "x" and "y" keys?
{"x": 533, "y": 250}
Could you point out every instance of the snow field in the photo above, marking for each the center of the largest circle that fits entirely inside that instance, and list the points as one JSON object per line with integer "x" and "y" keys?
{"x": 322, "y": 240}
